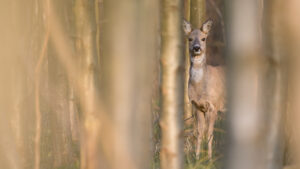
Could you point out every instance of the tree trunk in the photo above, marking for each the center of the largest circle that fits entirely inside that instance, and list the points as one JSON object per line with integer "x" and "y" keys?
{"x": 130, "y": 39}
{"x": 86, "y": 49}
{"x": 274, "y": 84}
{"x": 246, "y": 120}
{"x": 187, "y": 105}
{"x": 172, "y": 86}
{"x": 291, "y": 32}
{"x": 198, "y": 12}
{"x": 188, "y": 114}
{"x": 58, "y": 116}
{"x": 56, "y": 124}
{"x": 20, "y": 48}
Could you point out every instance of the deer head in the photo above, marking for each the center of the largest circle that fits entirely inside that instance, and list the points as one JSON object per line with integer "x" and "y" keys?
{"x": 197, "y": 39}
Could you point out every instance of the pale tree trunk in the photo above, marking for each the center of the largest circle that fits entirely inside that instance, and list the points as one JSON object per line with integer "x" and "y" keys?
{"x": 56, "y": 138}
{"x": 246, "y": 120}
{"x": 20, "y": 48}
{"x": 81, "y": 72}
{"x": 9, "y": 157}
{"x": 59, "y": 116}
{"x": 37, "y": 85}
{"x": 130, "y": 40}
{"x": 172, "y": 85}
{"x": 86, "y": 49}
{"x": 291, "y": 32}
{"x": 275, "y": 84}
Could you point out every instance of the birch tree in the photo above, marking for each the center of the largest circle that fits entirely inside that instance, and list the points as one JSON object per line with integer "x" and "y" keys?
{"x": 86, "y": 49}
{"x": 172, "y": 86}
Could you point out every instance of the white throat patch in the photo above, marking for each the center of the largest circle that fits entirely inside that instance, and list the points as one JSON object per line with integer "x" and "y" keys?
{"x": 197, "y": 74}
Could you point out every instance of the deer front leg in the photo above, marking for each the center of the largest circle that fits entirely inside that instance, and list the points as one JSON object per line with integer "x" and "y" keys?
{"x": 210, "y": 133}
{"x": 201, "y": 129}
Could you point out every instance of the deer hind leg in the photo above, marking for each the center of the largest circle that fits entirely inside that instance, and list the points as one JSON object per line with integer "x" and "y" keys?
{"x": 210, "y": 133}
{"x": 201, "y": 123}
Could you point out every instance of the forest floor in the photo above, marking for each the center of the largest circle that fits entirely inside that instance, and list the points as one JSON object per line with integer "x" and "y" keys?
{"x": 189, "y": 143}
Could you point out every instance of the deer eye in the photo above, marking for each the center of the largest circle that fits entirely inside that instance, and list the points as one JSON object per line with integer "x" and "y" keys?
{"x": 203, "y": 39}
{"x": 190, "y": 39}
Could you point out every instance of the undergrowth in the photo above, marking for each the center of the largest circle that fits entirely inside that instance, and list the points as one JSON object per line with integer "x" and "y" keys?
{"x": 189, "y": 146}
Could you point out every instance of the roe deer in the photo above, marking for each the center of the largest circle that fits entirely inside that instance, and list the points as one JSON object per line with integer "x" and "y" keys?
{"x": 206, "y": 85}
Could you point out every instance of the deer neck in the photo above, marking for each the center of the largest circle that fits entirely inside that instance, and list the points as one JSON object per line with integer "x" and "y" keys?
{"x": 198, "y": 69}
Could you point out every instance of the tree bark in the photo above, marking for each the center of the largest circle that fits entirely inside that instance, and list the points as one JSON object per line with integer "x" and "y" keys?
{"x": 187, "y": 105}
{"x": 86, "y": 49}
{"x": 172, "y": 86}
{"x": 246, "y": 120}
{"x": 275, "y": 85}
{"x": 188, "y": 114}
{"x": 198, "y": 12}
{"x": 130, "y": 39}
{"x": 291, "y": 32}
{"x": 20, "y": 47}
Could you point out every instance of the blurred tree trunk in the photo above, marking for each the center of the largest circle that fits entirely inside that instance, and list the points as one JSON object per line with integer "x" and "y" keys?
{"x": 59, "y": 116}
{"x": 37, "y": 72}
{"x": 87, "y": 52}
{"x": 291, "y": 32}
{"x": 275, "y": 84}
{"x": 188, "y": 114}
{"x": 130, "y": 39}
{"x": 156, "y": 92}
{"x": 172, "y": 86}
{"x": 198, "y": 13}
{"x": 246, "y": 118}
{"x": 21, "y": 41}
{"x": 9, "y": 69}
{"x": 187, "y": 105}
{"x": 57, "y": 145}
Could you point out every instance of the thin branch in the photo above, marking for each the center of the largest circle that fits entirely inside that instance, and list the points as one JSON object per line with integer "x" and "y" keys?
{"x": 97, "y": 17}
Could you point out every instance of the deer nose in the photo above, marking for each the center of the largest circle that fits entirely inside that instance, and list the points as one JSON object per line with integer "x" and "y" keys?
{"x": 196, "y": 48}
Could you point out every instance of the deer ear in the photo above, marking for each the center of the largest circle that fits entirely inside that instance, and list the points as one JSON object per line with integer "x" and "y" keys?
{"x": 187, "y": 27}
{"x": 206, "y": 27}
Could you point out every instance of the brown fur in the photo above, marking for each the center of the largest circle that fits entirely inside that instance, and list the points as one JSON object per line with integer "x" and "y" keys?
{"x": 210, "y": 89}
{"x": 206, "y": 86}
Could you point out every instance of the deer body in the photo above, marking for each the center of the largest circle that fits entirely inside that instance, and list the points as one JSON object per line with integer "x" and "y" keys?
{"x": 206, "y": 85}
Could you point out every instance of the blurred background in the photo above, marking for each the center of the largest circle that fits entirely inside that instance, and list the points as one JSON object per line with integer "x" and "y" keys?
{"x": 102, "y": 84}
